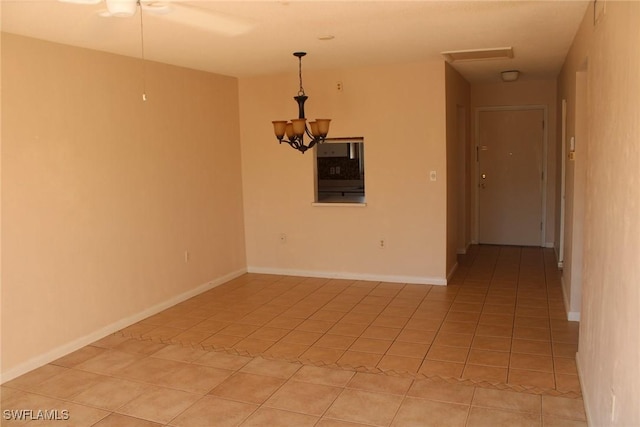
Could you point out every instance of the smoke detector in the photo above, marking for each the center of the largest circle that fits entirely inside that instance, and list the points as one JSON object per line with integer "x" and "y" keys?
{"x": 510, "y": 75}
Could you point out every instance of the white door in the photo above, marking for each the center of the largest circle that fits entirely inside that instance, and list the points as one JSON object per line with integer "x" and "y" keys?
{"x": 510, "y": 160}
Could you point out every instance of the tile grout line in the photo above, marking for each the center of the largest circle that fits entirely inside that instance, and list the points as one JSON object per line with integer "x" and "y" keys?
{"x": 234, "y": 351}
{"x": 434, "y": 379}
{"x": 515, "y": 308}
{"x": 317, "y": 288}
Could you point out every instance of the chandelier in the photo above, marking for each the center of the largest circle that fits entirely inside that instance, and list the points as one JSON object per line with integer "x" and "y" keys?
{"x": 297, "y": 128}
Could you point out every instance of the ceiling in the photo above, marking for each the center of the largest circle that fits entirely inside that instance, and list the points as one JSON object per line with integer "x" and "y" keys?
{"x": 248, "y": 38}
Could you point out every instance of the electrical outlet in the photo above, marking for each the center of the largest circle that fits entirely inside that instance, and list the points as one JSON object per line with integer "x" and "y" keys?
{"x": 382, "y": 244}
{"x": 339, "y": 86}
{"x": 433, "y": 176}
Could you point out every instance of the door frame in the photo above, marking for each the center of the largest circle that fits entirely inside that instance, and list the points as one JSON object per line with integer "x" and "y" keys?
{"x": 563, "y": 185}
{"x": 476, "y": 168}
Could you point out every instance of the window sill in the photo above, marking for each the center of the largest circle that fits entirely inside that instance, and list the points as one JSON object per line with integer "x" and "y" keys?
{"x": 341, "y": 204}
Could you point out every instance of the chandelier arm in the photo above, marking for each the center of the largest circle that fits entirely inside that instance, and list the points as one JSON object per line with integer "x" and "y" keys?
{"x": 298, "y": 144}
{"x": 308, "y": 132}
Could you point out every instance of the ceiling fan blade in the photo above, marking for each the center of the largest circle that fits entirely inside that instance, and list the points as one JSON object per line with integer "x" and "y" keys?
{"x": 206, "y": 19}
{"x": 121, "y": 8}
{"x": 184, "y": 13}
{"x": 81, "y": 1}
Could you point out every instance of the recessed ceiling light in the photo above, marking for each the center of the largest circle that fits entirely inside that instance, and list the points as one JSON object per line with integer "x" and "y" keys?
{"x": 478, "y": 54}
{"x": 326, "y": 37}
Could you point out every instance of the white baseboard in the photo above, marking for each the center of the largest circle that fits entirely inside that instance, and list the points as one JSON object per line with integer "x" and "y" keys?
{"x": 572, "y": 316}
{"x": 583, "y": 388}
{"x": 549, "y": 245}
{"x": 439, "y": 281}
{"x": 560, "y": 262}
{"x": 463, "y": 251}
{"x": 83, "y": 341}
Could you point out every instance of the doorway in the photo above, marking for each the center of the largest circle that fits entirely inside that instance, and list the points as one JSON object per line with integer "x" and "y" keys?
{"x": 576, "y": 180}
{"x": 510, "y": 156}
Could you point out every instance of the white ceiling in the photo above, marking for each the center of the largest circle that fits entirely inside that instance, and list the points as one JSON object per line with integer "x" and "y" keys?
{"x": 246, "y": 38}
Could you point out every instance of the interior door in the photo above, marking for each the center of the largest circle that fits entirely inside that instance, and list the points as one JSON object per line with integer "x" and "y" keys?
{"x": 510, "y": 160}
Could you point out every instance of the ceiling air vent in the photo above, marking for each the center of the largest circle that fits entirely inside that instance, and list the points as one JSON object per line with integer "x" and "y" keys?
{"x": 478, "y": 54}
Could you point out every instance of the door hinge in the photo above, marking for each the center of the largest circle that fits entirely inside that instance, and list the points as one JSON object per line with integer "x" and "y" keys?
{"x": 543, "y": 124}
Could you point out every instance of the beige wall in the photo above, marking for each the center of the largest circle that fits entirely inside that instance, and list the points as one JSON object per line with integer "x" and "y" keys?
{"x": 102, "y": 193}
{"x": 458, "y": 166}
{"x": 609, "y": 349}
{"x": 400, "y": 112}
{"x": 525, "y": 92}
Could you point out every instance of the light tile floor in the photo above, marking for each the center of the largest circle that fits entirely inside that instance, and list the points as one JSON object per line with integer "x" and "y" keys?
{"x": 492, "y": 348}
